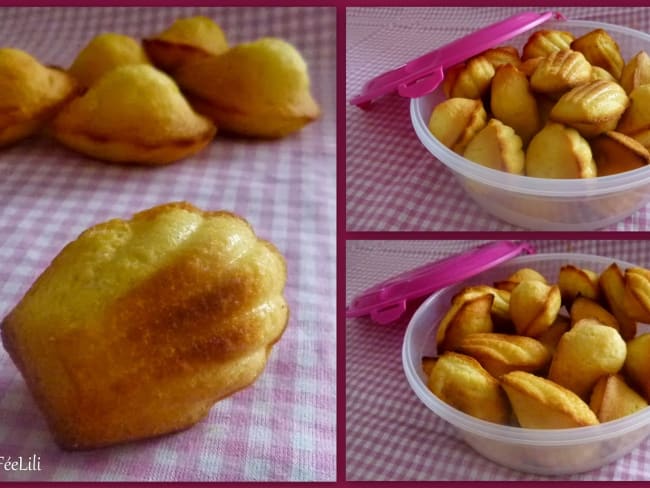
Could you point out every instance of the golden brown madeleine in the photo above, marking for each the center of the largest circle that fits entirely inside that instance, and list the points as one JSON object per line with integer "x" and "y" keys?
{"x": 502, "y": 55}
{"x": 551, "y": 336}
{"x": 544, "y": 42}
{"x": 427, "y": 365}
{"x": 585, "y": 353}
{"x": 456, "y": 121}
{"x": 461, "y": 382}
{"x": 586, "y": 308}
{"x": 539, "y": 403}
{"x": 133, "y": 114}
{"x": 138, "y": 327}
{"x": 451, "y": 74}
{"x": 574, "y": 282}
{"x": 470, "y": 80}
{"x": 104, "y": 53}
{"x": 513, "y": 102}
{"x": 615, "y": 153}
{"x": 465, "y": 317}
{"x": 257, "y": 89}
{"x": 500, "y": 305}
{"x": 598, "y": 73}
{"x": 31, "y": 94}
{"x": 560, "y": 71}
{"x": 612, "y": 284}
{"x": 637, "y": 364}
{"x": 600, "y": 50}
{"x": 501, "y": 353}
{"x": 591, "y": 108}
{"x": 534, "y": 307}
{"x": 523, "y": 274}
{"x": 497, "y": 146}
{"x": 529, "y": 66}
{"x": 558, "y": 151}
{"x": 185, "y": 39}
{"x": 613, "y": 399}
{"x": 636, "y": 298}
{"x": 636, "y": 119}
{"x": 636, "y": 72}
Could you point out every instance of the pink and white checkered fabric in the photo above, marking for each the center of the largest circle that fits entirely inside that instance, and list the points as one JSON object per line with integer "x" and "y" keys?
{"x": 284, "y": 426}
{"x": 392, "y": 181}
{"x": 390, "y": 434}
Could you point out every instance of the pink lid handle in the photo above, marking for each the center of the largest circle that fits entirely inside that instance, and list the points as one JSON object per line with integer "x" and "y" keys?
{"x": 425, "y": 73}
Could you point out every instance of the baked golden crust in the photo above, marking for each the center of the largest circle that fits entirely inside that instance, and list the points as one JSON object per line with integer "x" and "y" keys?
{"x": 133, "y": 114}
{"x": 544, "y": 42}
{"x": 456, "y": 121}
{"x": 612, "y": 284}
{"x": 497, "y": 146}
{"x": 257, "y": 89}
{"x": 613, "y": 399}
{"x": 615, "y": 153}
{"x": 574, "y": 282}
{"x": 637, "y": 363}
{"x": 31, "y": 94}
{"x": 534, "y": 306}
{"x": 185, "y": 39}
{"x": 539, "y": 403}
{"x": 600, "y": 50}
{"x": 138, "y": 327}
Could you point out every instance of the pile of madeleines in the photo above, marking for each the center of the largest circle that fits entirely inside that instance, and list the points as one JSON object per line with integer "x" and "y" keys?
{"x": 159, "y": 100}
{"x": 566, "y": 108}
{"x": 509, "y": 354}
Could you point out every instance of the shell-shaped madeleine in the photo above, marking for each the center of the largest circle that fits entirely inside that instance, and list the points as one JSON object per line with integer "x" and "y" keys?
{"x": 542, "y": 404}
{"x": 637, "y": 117}
{"x": 534, "y": 307}
{"x": 636, "y": 298}
{"x": 469, "y": 80}
{"x": 513, "y": 102}
{"x": 544, "y": 42}
{"x": 461, "y": 382}
{"x": 613, "y": 399}
{"x": 502, "y": 55}
{"x": 523, "y": 274}
{"x": 501, "y": 353}
{"x": 585, "y": 353}
{"x": 615, "y": 153}
{"x": 256, "y": 89}
{"x": 586, "y": 308}
{"x": 598, "y": 73}
{"x": 600, "y": 49}
{"x": 186, "y": 38}
{"x": 466, "y": 316}
{"x": 133, "y": 114}
{"x": 591, "y": 108}
{"x": 612, "y": 285}
{"x": 558, "y": 151}
{"x": 104, "y": 53}
{"x": 497, "y": 146}
{"x": 456, "y": 121}
{"x": 31, "y": 94}
{"x": 139, "y": 326}
{"x": 574, "y": 282}
{"x": 637, "y": 363}
{"x": 559, "y": 72}
{"x": 636, "y": 72}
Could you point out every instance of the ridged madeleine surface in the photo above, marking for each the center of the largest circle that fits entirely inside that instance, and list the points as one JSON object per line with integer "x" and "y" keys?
{"x": 539, "y": 403}
{"x": 612, "y": 284}
{"x": 636, "y": 298}
{"x": 636, "y": 119}
{"x": 133, "y": 114}
{"x": 544, "y": 42}
{"x": 591, "y": 108}
{"x": 534, "y": 306}
{"x": 31, "y": 94}
{"x": 636, "y": 72}
{"x": 469, "y": 80}
{"x": 574, "y": 282}
{"x": 502, "y": 353}
{"x": 559, "y": 72}
{"x": 614, "y": 153}
{"x": 601, "y": 50}
{"x": 456, "y": 121}
{"x": 461, "y": 382}
{"x": 613, "y": 399}
{"x": 138, "y": 327}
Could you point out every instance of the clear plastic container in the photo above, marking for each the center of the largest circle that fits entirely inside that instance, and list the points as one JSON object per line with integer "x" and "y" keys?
{"x": 540, "y": 203}
{"x": 548, "y": 452}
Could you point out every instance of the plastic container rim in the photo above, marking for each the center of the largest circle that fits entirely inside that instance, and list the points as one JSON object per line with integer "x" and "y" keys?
{"x": 511, "y": 434}
{"x": 560, "y": 188}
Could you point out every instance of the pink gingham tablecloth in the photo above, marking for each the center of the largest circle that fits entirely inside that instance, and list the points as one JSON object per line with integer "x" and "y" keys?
{"x": 392, "y": 181}
{"x": 390, "y": 433}
{"x": 284, "y": 426}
